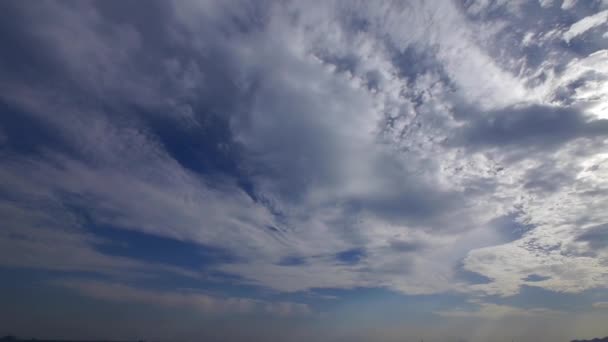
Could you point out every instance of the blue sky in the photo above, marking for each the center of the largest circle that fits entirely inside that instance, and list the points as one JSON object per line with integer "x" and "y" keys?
{"x": 296, "y": 171}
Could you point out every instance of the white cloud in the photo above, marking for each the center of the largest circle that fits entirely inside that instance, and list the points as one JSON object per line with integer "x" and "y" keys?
{"x": 585, "y": 25}
{"x": 584, "y": 83}
{"x": 568, "y": 4}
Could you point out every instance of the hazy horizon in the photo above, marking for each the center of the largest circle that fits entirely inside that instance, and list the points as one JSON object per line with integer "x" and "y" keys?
{"x": 332, "y": 171}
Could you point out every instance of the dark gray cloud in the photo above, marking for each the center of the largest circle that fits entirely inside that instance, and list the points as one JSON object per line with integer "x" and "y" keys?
{"x": 549, "y": 177}
{"x": 510, "y": 227}
{"x": 416, "y": 205}
{"x": 536, "y": 277}
{"x": 530, "y": 127}
{"x": 406, "y": 246}
{"x": 596, "y": 237}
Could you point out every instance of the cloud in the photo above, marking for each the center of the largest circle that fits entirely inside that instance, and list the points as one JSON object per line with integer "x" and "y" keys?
{"x": 568, "y": 4}
{"x": 583, "y": 84}
{"x": 112, "y": 197}
{"x": 52, "y": 241}
{"x": 536, "y": 277}
{"x": 585, "y": 25}
{"x": 596, "y": 237}
{"x": 200, "y": 302}
{"x": 563, "y": 267}
{"x": 531, "y": 126}
{"x": 326, "y": 146}
{"x": 600, "y": 305}
{"x": 489, "y": 311}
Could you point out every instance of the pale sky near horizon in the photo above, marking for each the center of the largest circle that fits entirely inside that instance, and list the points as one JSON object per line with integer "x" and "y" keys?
{"x": 304, "y": 170}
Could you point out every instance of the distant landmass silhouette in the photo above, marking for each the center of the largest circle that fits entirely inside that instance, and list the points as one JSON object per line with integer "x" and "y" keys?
{"x": 11, "y": 338}
{"x": 605, "y": 339}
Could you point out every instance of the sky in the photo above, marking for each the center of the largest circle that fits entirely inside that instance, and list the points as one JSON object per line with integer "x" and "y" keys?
{"x": 304, "y": 170}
